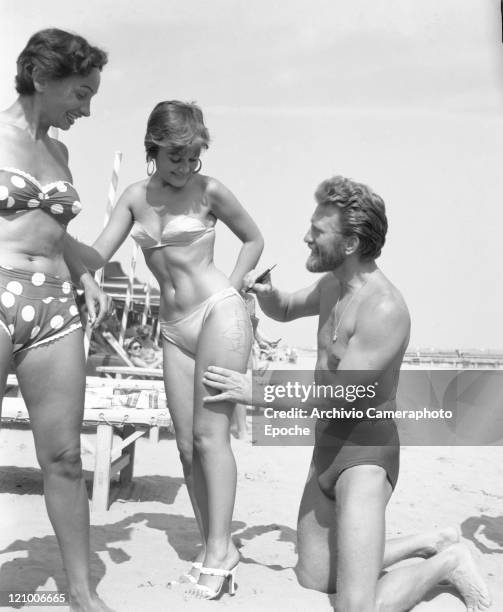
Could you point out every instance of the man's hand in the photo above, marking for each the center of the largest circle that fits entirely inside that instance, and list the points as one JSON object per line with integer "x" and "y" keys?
{"x": 263, "y": 288}
{"x": 233, "y": 386}
{"x": 99, "y": 304}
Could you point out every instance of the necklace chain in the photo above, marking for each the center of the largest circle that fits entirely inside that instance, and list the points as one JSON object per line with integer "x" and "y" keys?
{"x": 336, "y": 328}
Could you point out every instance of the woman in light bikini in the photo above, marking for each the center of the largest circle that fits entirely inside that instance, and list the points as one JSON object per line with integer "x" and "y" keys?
{"x": 172, "y": 216}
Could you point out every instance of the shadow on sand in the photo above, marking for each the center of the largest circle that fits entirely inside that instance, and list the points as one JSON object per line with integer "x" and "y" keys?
{"x": 29, "y": 481}
{"x": 29, "y": 564}
{"x": 483, "y": 531}
{"x": 38, "y": 559}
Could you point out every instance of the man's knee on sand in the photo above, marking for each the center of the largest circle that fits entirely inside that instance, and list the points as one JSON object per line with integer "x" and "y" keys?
{"x": 356, "y": 602}
{"x": 357, "y": 483}
{"x": 345, "y": 600}
{"x": 313, "y": 580}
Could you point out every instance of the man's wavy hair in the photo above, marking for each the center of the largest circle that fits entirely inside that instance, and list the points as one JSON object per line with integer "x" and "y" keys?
{"x": 57, "y": 55}
{"x": 361, "y": 213}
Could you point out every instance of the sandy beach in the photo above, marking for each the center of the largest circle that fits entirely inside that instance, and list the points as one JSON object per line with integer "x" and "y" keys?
{"x": 145, "y": 541}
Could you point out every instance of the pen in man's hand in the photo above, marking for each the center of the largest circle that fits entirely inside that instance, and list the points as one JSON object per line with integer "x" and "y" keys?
{"x": 261, "y": 277}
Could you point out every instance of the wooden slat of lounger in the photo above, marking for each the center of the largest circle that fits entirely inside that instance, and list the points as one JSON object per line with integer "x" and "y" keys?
{"x": 102, "y": 468}
{"x": 99, "y": 381}
{"x": 11, "y": 380}
{"x": 118, "y": 448}
{"x": 117, "y": 465}
{"x": 116, "y": 346}
{"x": 130, "y": 371}
{"x": 14, "y": 408}
{"x": 120, "y": 383}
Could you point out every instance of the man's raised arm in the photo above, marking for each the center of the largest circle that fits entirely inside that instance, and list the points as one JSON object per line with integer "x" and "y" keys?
{"x": 380, "y": 337}
{"x": 285, "y": 306}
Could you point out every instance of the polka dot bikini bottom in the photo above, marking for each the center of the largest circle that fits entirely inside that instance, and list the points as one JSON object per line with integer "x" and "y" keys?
{"x": 35, "y": 308}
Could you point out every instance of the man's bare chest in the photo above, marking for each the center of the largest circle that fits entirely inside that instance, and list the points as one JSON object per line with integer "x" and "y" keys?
{"x": 332, "y": 338}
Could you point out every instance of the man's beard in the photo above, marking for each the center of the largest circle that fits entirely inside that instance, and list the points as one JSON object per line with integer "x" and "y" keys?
{"x": 325, "y": 261}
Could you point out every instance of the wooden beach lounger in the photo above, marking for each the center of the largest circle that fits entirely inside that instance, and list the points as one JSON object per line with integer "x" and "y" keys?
{"x": 129, "y": 372}
{"x": 130, "y": 408}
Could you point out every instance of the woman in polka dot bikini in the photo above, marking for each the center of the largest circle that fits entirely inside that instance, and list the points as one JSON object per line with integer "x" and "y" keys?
{"x": 57, "y": 75}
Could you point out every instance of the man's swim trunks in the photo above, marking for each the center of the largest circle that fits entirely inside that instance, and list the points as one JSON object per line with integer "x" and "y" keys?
{"x": 342, "y": 444}
{"x": 35, "y": 308}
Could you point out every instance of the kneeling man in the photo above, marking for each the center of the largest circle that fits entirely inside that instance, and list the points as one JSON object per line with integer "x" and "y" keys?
{"x": 363, "y": 333}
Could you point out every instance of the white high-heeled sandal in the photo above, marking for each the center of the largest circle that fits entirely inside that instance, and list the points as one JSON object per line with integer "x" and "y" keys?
{"x": 188, "y": 577}
{"x": 205, "y": 592}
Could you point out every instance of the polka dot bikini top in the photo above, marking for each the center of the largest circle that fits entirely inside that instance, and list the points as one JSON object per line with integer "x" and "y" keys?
{"x": 20, "y": 191}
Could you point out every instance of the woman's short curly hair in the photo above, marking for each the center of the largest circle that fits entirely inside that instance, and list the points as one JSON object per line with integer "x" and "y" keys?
{"x": 57, "y": 54}
{"x": 361, "y": 213}
{"x": 176, "y": 125}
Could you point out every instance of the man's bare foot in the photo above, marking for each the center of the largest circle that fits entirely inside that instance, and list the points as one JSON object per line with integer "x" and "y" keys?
{"x": 447, "y": 537}
{"x": 93, "y": 604}
{"x": 440, "y": 540}
{"x": 466, "y": 578}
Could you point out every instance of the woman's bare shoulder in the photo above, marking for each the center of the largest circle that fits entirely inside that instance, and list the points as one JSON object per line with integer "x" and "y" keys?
{"x": 9, "y": 131}
{"x": 136, "y": 191}
{"x": 7, "y": 121}
{"x": 211, "y": 185}
{"x": 14, "y": 142}
{"x": 133, "y": 197}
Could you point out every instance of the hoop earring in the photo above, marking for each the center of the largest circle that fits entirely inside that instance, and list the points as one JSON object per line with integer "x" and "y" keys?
{"x": 151, "y": 166}
{"x": 195, "y": 171}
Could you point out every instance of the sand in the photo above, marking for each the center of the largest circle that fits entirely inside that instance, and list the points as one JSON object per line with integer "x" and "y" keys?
{"x": 145, "y": 541}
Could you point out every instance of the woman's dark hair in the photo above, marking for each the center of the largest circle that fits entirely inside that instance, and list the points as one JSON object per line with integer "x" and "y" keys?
{"x": 57, "y": 54}
{"x": 177, "y": 125}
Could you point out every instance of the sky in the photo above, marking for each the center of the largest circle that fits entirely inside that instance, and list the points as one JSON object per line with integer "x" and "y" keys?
{"x": 404, "y": 95}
